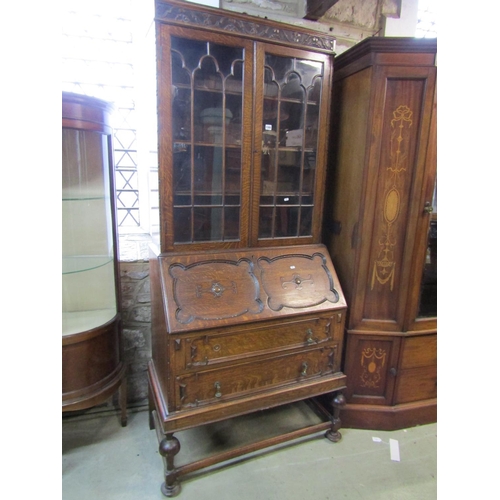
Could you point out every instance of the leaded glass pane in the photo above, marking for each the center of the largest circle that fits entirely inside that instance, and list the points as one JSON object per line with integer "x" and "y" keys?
{"x": 291, "y": 114}
{"x": 207, "y": 109}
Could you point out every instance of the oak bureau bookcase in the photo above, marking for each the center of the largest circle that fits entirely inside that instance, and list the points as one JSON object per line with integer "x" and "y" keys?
{"x": 381, "y": 228}
{"x": 247, "y": 310}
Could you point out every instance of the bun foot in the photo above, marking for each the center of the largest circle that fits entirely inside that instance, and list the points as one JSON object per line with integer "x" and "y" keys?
{"x": 334, "y": 437}
{"x": 171, "y": 491}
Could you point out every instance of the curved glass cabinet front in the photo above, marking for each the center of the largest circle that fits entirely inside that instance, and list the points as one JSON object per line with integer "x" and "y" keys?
{"x": 88, "y": 251}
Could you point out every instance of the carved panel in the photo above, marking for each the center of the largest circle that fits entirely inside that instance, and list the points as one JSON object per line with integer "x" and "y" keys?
{"x": 214, "y": 290}
{"x": 297, "y": 281}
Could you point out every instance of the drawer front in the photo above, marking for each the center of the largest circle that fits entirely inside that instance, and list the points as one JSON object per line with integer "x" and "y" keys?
{"x": 222, "y": 347}
{"x": 212, "y": 386}
{"x": 419, "y": 351}
{"x": 416, "y": 384}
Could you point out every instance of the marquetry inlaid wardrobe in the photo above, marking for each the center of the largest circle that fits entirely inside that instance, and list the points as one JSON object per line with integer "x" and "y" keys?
{"x": 381, "y": 228}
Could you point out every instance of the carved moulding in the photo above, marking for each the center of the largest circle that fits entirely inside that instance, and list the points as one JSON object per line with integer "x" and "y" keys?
{"x": 242, "y": 25}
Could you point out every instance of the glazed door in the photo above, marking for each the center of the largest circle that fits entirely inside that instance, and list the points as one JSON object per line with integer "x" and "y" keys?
{"x": 205, "y": 87}
{"x": 291, "y": 120}
{"x": 422, "y": 305}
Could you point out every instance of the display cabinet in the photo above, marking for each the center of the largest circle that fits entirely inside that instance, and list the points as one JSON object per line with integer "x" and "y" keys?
{"x": 242, "y": 163}
{"x": 92, "y": 369}
{"x": 381, "y": 228}
{"x": 247, "y": 308}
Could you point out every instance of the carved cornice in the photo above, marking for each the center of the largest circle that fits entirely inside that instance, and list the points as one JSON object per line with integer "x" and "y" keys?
{"x": 240, "y": 24}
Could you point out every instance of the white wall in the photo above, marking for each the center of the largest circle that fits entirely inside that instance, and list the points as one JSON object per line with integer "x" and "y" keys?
{"x": 406, "y": 24}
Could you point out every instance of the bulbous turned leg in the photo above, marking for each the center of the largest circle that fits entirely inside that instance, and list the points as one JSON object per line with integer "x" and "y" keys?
{"x": 169, "y": 447}
{"x": 338, "y": 403}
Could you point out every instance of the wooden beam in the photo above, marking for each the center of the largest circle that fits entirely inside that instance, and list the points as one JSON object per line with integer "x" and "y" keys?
{"x": 317, "y": 8}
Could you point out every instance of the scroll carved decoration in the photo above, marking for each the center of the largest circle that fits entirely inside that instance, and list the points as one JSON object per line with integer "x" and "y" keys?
{"x": 287, "y": 288}
{"x": 373, "y": 361}
{"x": 215, "y": 289}
{"x": 385, "y": 264}
{"x": 226, "y": 23}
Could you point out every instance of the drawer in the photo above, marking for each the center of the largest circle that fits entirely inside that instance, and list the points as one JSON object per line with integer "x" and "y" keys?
{"x": 225, "y": 346}
{"x": 212, "y": 386}
{"x": 419, "y": 351}
{"x": 416, "y": 384}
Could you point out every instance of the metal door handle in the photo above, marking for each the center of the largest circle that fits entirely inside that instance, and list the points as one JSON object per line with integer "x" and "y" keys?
{"x": 218, "y": 394}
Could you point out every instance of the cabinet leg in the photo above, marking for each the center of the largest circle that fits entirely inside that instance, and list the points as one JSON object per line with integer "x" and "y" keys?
{"x": 123, "y": 401}
{"x": 338, "y": 403}
{"x": 151, "y": 407}
{"x": 169, "y": 447}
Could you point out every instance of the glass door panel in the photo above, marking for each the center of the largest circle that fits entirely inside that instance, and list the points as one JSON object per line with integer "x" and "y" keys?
{"x": 88, "y": 273}
{"x": 428, "y": 288}
{"x": 207, "y": 111}
{"x": 291, "y": 103}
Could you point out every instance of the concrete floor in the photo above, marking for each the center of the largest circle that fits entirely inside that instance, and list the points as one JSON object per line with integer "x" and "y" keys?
{"x": 103, "y": 461}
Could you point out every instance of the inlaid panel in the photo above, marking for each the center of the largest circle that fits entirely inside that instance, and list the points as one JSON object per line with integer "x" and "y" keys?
{"x": 372, "y": 365}
{"x": 400, "y": 135}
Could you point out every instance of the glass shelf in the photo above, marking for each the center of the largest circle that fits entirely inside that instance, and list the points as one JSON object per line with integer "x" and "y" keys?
{"x": 75, "y": 197}
{"x": 82, "y": 263}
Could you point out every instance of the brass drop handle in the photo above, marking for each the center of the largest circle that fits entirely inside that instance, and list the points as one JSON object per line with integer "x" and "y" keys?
{"x": 304, "y": 369}
{"x": 309, "y": 339}
{"x": 428, "y": 208}
{"x": 218, "y": 394}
